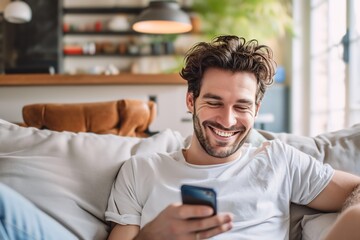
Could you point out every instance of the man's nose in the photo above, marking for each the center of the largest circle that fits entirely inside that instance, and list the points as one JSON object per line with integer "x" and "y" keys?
{"x": 227, "y": 118}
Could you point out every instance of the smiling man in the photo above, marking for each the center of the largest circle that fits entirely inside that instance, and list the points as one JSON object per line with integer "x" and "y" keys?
{"x": 222, "y": 119}
{"x": 227, "y": 79}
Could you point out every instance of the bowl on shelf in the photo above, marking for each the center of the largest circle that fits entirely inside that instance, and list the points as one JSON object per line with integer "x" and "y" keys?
{"x": 118, "y": 23}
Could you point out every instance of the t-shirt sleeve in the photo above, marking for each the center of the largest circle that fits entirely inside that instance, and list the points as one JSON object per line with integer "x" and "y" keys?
{"x": 308, "y": 176}
{"x": 123, "y": 206}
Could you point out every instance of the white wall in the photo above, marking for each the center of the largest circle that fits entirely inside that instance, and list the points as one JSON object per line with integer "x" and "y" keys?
{"x": 172, "y": 112}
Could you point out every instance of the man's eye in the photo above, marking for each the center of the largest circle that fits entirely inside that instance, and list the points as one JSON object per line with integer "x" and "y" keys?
{"x": 213, "y": 104}
{"x": 242, "y": 107}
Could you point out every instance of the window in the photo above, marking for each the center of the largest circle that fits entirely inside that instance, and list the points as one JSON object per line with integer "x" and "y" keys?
{"x": 328, "y": 81}
{"x": 353, "y": 100}
{"x": 327, "y": 68}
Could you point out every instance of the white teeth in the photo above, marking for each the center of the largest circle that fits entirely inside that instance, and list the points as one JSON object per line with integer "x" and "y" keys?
{"x": 223, "y": 134}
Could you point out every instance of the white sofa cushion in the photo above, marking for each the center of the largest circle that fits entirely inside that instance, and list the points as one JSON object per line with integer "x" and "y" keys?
{"x": 68, "y": 175}
{"x": 341, "y": 149}
{"x": 316, "y": 226}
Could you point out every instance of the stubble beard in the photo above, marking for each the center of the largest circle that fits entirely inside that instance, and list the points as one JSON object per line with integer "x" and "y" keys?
{"x": 205, "y": 144}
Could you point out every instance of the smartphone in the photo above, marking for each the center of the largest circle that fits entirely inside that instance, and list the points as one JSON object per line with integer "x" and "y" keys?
{"x": 199, "y": 196}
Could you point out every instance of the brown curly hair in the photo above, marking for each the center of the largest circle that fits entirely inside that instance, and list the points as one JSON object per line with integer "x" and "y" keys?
{"x": 230, "y": 53}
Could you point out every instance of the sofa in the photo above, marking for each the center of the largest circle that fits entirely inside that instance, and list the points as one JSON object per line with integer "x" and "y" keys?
{"x": 69, "y": 175}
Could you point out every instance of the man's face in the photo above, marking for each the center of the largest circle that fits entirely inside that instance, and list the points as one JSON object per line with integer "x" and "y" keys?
{"x": 225, "y": 110}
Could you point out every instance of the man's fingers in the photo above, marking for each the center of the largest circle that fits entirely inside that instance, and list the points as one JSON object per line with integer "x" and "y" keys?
{"x": 187, "y": 211}
{"x": 214, "y": 231}
{"x": 219, "y": 220}
{"x": 208, "y": 227}
{"x": 190, "y": 221}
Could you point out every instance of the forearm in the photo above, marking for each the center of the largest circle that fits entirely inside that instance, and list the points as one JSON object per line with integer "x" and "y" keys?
{"x": 346, "y": 225}
{"x": 125, "y": 232}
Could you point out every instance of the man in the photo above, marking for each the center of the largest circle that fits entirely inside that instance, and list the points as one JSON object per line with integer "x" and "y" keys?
{"x": 227, "y": 79}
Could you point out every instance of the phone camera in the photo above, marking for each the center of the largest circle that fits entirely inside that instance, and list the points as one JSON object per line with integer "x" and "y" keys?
{"x": 209, "y": 193}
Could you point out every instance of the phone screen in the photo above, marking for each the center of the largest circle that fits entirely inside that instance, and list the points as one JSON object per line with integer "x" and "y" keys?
{"x": 199, "y": 196}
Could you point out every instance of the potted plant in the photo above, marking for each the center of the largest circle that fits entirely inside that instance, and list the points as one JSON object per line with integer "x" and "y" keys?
{"x": 260, "y": 19}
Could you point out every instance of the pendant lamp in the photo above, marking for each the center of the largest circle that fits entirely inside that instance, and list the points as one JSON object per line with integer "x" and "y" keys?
{"x": 17, "y": 12}
{"x": 162, "y": 17}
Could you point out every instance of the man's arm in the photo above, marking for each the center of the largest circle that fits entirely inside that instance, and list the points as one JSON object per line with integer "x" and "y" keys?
{"x": 346, "y": 224}
{"x": 177, "y": 222}
{"x": 124, "y": 232}
{"x": 353, "y": 199}
{"x": 334, "y": 195}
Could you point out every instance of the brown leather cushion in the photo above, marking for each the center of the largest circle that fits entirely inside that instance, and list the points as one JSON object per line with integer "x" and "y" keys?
{"x": 126, "y": 117}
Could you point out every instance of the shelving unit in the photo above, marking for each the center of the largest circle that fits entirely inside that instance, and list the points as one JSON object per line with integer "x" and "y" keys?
{"x": 102, "y": 33}
{"x": 79, "y": 36}
{"x": 107, "y": 10}
{"x": 95, "y": 12}
{"x": 103, "y": 10}
{"x": 115, "y": 55}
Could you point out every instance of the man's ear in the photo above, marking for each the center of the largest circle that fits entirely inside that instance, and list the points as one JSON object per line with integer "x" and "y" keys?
{"x": 190, "y": 101}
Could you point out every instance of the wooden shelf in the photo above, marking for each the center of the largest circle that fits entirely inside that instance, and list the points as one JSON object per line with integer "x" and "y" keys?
{"x": 121, "y": 79}
{"x": 119, "y": 55}
{"x": 100, "y": 33}
{"x": 108, "y": 10}
{"x": 102, "y": 10}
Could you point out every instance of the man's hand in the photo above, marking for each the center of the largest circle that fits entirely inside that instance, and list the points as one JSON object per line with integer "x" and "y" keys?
{"x": 186, "y": 222}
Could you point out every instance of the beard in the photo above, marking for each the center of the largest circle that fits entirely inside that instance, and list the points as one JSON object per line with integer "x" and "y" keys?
{"x": 205, "y": 143}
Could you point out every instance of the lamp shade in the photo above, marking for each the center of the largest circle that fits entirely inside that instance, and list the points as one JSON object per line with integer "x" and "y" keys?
{"x": 17, "y": 12}
{"x": 162, "y": 17}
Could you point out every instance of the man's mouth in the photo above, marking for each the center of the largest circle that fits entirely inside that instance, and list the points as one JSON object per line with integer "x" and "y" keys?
{"x": 222, "y": 133}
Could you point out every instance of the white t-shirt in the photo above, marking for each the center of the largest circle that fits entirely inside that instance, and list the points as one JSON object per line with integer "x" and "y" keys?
{"x": 257, "y": 188}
